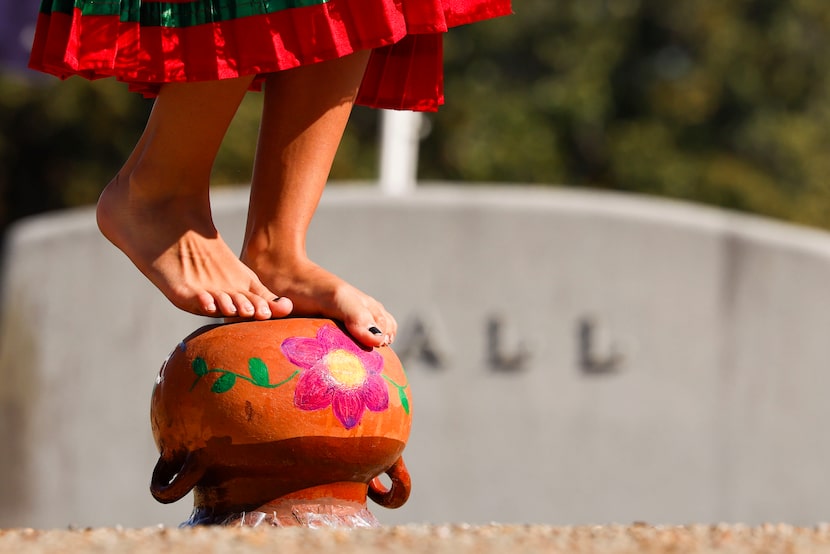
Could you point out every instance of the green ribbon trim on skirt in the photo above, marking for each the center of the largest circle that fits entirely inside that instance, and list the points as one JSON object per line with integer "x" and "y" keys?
{"x": 169, "y": 14}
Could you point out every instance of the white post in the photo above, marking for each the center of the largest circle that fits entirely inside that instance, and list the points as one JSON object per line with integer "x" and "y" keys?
{"x": 399, "y": 137}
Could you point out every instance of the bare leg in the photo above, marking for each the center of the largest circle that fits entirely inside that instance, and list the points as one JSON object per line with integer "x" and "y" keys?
{"x": 304, "y": 116}
{"x": 157, "y": 209}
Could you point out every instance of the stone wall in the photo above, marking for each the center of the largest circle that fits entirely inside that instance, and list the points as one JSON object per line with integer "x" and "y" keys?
{"x": 575, "y": 357}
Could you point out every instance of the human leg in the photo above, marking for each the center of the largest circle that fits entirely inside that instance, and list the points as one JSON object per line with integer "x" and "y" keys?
{"x": 157, "y": 208}
{"x": 304, "y": 116}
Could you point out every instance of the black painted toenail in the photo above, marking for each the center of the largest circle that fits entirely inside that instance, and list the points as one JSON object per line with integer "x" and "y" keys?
{"x": 375, "y": 331}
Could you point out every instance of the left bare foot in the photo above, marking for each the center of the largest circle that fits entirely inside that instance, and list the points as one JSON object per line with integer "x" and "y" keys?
{"x": 176, "y": 246}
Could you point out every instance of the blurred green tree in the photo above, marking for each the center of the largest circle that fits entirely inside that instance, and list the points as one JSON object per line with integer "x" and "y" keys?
{"x": 718, "y": 102}
{"x": 726, "y": 103}
{"x": 62, "y": 142}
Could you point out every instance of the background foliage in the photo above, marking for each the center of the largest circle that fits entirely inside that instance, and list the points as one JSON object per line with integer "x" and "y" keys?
{"x": 721, "y": 102}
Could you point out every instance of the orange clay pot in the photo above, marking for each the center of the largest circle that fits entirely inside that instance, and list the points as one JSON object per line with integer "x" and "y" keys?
{"x": 288, "y": 419}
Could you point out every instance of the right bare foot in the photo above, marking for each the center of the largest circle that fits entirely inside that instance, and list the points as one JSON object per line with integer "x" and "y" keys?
{"x": 174, "y": 243}
{"x": 317, "y": 292}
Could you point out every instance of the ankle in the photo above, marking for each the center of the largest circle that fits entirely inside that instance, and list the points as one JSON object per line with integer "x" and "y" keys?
{"x": 150, "y": 187}
{"x": 264, "y": 252}
{"x": 125, "y": 204}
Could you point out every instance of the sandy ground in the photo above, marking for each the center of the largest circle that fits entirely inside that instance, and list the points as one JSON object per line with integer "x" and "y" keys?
{"x": 426, "y": 539}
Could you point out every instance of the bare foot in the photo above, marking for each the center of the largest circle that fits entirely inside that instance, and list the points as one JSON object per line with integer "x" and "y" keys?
{"x": 176, "y": 246}
{"x": 317, "y": 292}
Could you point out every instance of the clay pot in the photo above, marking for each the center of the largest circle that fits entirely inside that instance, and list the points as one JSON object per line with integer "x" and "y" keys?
{"x": 287, "y": 419}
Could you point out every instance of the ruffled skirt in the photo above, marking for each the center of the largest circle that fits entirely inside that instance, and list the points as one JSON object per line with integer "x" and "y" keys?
{"x": 150, "y": 42}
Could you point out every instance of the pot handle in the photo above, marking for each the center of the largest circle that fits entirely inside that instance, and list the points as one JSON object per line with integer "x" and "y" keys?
{"x": 172, "y": 479}
{"x": 398, "y": 493}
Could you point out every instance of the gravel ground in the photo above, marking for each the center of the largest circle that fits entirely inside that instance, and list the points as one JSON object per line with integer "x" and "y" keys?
{"x": 426, "y": 539}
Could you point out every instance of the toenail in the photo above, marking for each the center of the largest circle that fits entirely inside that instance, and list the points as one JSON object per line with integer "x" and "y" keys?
{"x": 375, "y": 331}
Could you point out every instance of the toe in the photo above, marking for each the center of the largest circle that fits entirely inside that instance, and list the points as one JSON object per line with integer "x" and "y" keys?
{"x": 366, "y": 332}
{"x": 269, "y": 305}
{"x": 281, "y": 306}
{"x": 207, "y": 304}
{"x": 225, "y": 304}
{"x": 387, "y": 325}
{"x": 370, "y": 324}
{"x": 243, "y": 305}
{"x": 391, "y": 328}
{"x": 261, "y": 308}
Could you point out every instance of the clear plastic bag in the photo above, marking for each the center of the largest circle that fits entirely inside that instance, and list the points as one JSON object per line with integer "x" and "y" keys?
{"x": 316, "y": 515}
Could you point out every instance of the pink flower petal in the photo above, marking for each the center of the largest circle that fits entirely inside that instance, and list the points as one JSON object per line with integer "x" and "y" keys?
{"x": 375, "y": 393}
{"x": 302, "y": 351}
{"x": 335, "y": 339}
{"x": 348, "y": 407}
{"x": 332, "y": 338}
{"x": 372, "y": 361}
{"x": 313, "y": 391}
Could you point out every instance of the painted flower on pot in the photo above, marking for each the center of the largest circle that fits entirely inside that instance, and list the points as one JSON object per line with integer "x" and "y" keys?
{"x": 337, "y": 373}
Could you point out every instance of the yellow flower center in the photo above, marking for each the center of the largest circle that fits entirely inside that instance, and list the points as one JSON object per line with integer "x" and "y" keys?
{"x": 345, "y": 368}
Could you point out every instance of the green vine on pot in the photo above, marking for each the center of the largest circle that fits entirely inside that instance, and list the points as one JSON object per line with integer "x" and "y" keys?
{"x": 227, "y": 379}
{"x": 401, "y": 393}
{"x": 258, "y": 376}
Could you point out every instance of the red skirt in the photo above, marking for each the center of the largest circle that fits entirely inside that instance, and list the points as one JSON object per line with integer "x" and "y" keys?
{"x": 146, "y": 43}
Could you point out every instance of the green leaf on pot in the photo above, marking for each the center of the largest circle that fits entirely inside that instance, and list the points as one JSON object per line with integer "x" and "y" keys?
{"x": 200, "y": 367}
{"x": 404, "y": 400}
{"x": 259, "y": 372}
{"x": 224, "y": 383}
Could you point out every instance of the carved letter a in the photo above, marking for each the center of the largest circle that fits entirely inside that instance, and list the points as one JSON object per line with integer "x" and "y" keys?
{"x": 419, "y": 341}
